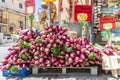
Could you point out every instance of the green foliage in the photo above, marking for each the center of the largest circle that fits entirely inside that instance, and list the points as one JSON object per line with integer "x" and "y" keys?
{"x": 31, "y": 17}
{"x": 40, "y": 40}
{"x": 92, "y": 56}
{"x": 67, "y": 48}
{"x": 24, "y": 56}
{"x": 83, "y": 23}
{"x": 24, "y": 44}
{"x": 56, "y": 51}
{"x": 13, "y": 68}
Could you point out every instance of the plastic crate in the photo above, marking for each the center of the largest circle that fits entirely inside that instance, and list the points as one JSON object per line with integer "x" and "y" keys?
{"x": 21, "y": 72}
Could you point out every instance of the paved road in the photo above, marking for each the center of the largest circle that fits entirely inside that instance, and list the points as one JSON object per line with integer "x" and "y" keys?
{"x": 3, "y": 51}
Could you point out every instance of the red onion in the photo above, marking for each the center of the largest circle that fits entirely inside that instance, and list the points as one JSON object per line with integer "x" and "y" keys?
{"x": 76, "y": 60}
{"x": 29, "y": 34}
{"x": 66, "y": 55}
{"x": 87, "y": 52}
{"x": 23, "y": 66}
{"x": 59, "y": 65}
{"x": 36, "y": 53}
{"x": 72, "y": 54}
{"x": 7, "y": 56}
{"x": 50, "y": 30}
{"x": 11, "y": 48}
{"x": 67, "y": 43}
{"x": 62, "y": 52}
{"x": 4, "y": 62}
{"x": 83, "y": 50}
{"x": 49, "y": 45}
{"x": 54, "y": 59}
{"x": 43, "y": 36}
{"x": 3, "y": 68}
{"x": 42, "y": 48}
{"x": 70, "y": 60}
{"x": 62, "y": 61}
{"x": 8, "y": 66}
{"x": 97, "y": 62}
{"x": 37, "y": 62}
{"x": 88, "y": 46}
{"x": 14, "y": 58}
{"x": 54, "y": 45}
{"x": 47, "y": 61}
{"x": 46, "y": 50}
{"x": 41, "y": 60}
{"x": 57, "y": 41}
{"x": 13, "y": 52}
{"x": 61, "y": 56}
{"x": 42, "y": 54}
{"x": 78, "y": 65}
{"x": 51, "y": 41}
{"x": 78, "y": 52}
{"x": 52, "y": 37}
{"x": 56, "y": 63}
{"x": 36, "y": 57}
{"x": 82, "y": 56}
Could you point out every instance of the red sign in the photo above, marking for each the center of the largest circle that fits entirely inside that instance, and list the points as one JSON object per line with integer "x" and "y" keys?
{"x": 107, "y": 22}
{"x": 30, "y": 6}
{"x": 83, "y": 13}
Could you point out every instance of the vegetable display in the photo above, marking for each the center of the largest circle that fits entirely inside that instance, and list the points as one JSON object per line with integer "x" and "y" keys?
{"x": 20, "y": 54}
{"x": 51, "y": 48}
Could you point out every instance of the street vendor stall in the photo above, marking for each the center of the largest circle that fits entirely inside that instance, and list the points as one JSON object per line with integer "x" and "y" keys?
{"x": 66, "y": 41}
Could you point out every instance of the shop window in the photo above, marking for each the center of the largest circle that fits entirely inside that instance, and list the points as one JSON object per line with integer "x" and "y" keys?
{"x": 21, "y": 24}
{"x": 20, "y": 5}
{"x": 11, "y": 29}
{"x": 3, "y": 0}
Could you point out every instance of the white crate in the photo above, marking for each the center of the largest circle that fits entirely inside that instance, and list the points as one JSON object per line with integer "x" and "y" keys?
{"x": 111, "y": 63}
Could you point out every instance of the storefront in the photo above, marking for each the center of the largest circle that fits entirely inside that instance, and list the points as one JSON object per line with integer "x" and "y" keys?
{"x": 103, "y": 8}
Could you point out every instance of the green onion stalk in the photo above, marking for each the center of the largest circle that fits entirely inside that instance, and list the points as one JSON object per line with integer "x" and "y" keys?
{"x": 109, "y": 37}
{"x": 83, "y": 24}
{"x": 30, "y": 18}
{"x": 62, "y": 23}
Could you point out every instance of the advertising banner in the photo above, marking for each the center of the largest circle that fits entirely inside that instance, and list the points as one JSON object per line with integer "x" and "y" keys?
{"x": 83, "y": 13}
{"x": 107, "y": 22}
{"x": 30, "y": 6}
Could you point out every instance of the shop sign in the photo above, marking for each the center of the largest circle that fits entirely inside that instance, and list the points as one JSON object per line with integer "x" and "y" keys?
{"x": 107, "y": 22}
{"x": 30, "y": 6}
{"x": 83, "y": 13}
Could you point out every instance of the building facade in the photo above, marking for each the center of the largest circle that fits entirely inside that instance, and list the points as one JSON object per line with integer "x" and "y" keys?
{"x": 12, "y": 15}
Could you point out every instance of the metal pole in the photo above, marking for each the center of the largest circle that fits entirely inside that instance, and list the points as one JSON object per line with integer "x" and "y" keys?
{"x": 92, "y": 24}
{"x": 49, "y": 14}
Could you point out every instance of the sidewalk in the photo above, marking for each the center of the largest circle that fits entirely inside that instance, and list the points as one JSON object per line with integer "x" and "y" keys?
{"x": 74, "y": 76}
